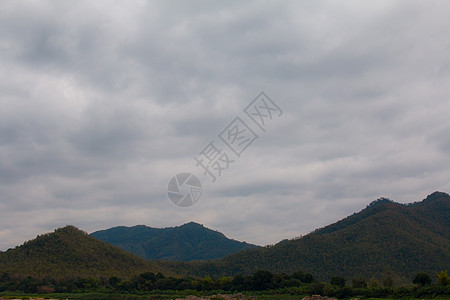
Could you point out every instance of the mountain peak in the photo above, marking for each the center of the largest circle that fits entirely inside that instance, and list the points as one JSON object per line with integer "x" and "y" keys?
{"x": 436, "y": 196}
{"x": 380, "y": 201}
{"x": 190, "y": 241}
{"x": 436, "y": 200}
{"x": 69, "y": 229}
{"x": 381, "y": 204}
{"x": 192, "y": 224}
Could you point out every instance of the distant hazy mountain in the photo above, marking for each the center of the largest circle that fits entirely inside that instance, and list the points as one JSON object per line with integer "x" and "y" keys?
{"x": 384, "y": 238}
{"x": 188, "y": 242}
{"x": 70, "y": 252}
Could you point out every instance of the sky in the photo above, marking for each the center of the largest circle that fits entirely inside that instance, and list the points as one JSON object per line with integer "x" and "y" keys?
{"x": 102, "y": 103}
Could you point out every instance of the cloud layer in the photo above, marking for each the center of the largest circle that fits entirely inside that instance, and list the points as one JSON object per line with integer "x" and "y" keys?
{"x": 102, "y": 103}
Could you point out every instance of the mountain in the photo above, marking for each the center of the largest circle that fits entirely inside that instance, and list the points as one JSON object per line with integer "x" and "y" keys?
{"x": 70, "y": 252}
{"x": 384, "y": 238}
{"x": 188, "y": 242}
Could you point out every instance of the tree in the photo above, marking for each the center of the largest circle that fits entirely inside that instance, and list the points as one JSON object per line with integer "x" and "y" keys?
{"x": 373, "y": 283}
{"x": 225, "y": 283}
{"x": 316, "y": 288}
{"x": 207, "y": 283}
{"x": 29, "y": 285}
{"x": 149, "y": 276}
{"x": 5, "y": 277}
{"x": 422, "y": 279}
{"x": 305, "y": 278}
{"x": 114, "y": 281}
{"x": 359, "y": 283}
{"x": 387, "y": 280}
{"x": 338, "y": 281}
{"x": 238, "y": 279}
{"x": 343, "y": 292}
{"x": 261, "y": 280}
{"x": 443, "y": 278}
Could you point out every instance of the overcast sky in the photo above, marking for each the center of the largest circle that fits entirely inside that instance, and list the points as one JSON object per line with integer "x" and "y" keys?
{"x": 103, "y": 102}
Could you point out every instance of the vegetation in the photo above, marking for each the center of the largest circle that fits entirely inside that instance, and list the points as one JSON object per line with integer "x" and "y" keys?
{"x": 71, "y": 252}
{"x": 443, "y": 278}
{"x": 188, "y": 242}
{"x": 260, "y": 283}
{"x": 382, "y": 246}
{"x": 338, "y": 281}
{"x": 386, "y": 240}
{"x": 422, "y": 279}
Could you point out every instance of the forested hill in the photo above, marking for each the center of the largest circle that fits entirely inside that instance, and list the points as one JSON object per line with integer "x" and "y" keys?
{"x": 188, "y": 242}
{"x": 384, "y": 238}
{"x": 69, "y": 252}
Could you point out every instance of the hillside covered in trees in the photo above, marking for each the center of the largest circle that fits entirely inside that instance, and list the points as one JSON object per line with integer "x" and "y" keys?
{"x": 188, "y": 242}
{"x": 385, "y": 238}
{"x": 70, "y": 252}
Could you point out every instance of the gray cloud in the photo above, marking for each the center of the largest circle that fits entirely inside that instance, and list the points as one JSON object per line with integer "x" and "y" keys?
{"x": 101, "y": 104}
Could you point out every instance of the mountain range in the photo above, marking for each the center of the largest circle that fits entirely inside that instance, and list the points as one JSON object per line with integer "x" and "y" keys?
{"x": 188, "y": 242}
{"x": 384, "y": 239}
